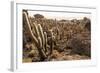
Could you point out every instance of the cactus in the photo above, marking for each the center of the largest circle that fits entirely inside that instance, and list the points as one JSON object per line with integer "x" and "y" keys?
{"x": 39, "y": 37}
{"x": 52, "y": 41}
{"x": 25, "y": 17}
{"x": 45, "y": 45}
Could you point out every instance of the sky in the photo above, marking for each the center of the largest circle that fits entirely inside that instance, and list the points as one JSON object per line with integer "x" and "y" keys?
{"x": 60, "y": 15}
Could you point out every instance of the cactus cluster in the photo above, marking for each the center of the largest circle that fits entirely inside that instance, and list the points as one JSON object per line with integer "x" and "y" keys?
{"x": 49, "y": 39}
{"x": 39, "y": 38}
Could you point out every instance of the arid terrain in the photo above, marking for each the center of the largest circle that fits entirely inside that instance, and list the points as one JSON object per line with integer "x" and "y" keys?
{"x": 47, "y": 39}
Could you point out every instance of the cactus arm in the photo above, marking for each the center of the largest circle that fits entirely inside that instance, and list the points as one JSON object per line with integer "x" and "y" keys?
{"x": 41, "y": 35}
{"x": 51, "y": 46}
{"x": 40, "y": 42}
{"x": 45, "y": 36}
{"x": 29, "y": 27}
{"x": 42, "y": 53}
{"x": 35, "y": 26}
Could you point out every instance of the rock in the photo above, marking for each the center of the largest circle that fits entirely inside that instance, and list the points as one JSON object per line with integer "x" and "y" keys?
{"x": 27, "y": 48}
{"x": 56, "y": 54}
{"x": 87, "y": 23}
{"x": 79, "y": 46}
{"x": 35, "y": 59}
{"x": 33, "y": 53}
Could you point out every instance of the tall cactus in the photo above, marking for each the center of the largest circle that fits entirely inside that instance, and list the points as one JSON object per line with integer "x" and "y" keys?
{"x": 39, "y": 37}
{"x": 52, "y": 41}
{"x": 25, "y": 17}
